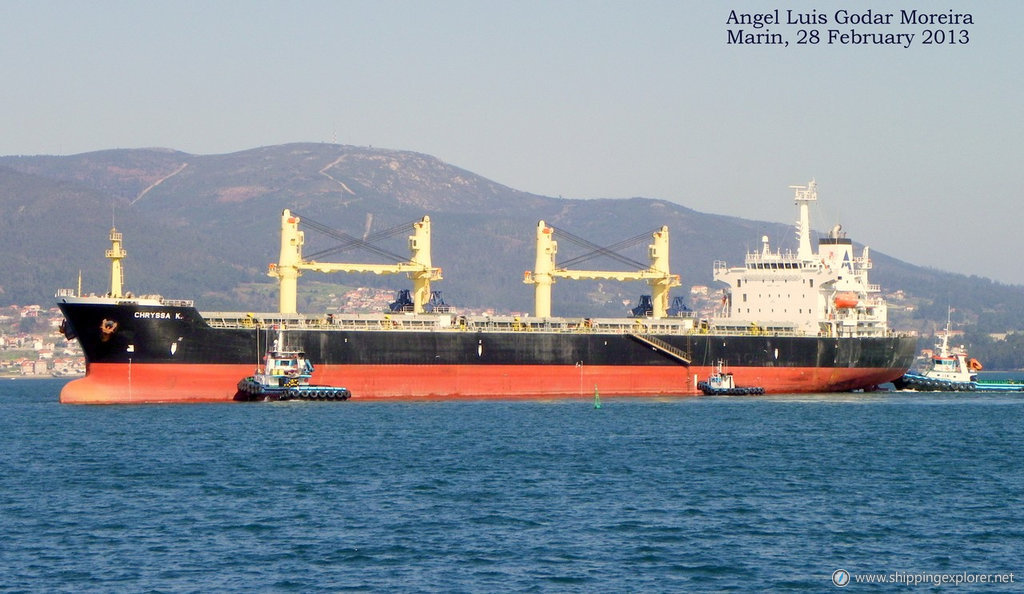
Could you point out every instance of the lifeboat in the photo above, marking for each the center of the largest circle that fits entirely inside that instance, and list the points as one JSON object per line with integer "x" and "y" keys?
{"x": 975, "y": 365}
{"x": 846, "y": 300}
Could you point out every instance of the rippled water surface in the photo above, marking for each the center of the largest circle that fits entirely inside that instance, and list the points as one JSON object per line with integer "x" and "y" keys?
{"x": 764, "y": 493}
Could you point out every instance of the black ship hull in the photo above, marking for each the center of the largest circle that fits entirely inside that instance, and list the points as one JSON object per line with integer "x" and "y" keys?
{"x": 154, "y": 353}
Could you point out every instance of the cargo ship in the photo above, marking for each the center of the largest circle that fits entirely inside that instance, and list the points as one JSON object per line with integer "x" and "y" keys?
{"x": 807, "y": 321}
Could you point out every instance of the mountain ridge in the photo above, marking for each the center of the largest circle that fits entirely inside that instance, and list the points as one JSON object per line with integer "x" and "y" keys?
{"x": 205, "y": 225}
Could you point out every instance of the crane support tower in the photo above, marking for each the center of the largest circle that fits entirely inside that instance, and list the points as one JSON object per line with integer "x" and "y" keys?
{"x": 290, "y": 264}
{"x": 545, "y": 272}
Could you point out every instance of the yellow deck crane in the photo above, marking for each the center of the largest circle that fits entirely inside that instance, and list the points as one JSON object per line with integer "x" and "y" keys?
{"x": 545, "y": 272}
{"x": 290, "y": 264}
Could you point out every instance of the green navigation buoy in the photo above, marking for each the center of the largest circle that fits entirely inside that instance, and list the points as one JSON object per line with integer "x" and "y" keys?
{"x": 597, "y": 398}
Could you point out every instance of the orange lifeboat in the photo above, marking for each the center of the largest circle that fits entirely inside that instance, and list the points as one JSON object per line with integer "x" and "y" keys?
{"x": 975, "y": 365}
{"x": 846, "y": 300}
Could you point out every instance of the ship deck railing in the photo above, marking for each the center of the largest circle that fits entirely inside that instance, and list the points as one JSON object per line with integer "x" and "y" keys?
{"x": 682, "y": 326}
{"x": 178, "y": 302}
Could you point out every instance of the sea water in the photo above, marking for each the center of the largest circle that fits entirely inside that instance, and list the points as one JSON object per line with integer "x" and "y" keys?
{"x": 686, "y": 494}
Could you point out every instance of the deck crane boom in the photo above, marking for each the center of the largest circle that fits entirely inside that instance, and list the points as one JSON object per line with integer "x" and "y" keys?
{"x": 545, "y": 272}
{"x": 291, "y": 264}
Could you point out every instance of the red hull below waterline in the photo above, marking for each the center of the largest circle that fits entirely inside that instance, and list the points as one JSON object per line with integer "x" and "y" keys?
{"x": 155, "y": 383}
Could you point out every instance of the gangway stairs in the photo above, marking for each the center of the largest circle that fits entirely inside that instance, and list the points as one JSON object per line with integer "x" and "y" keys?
{"x": 660, "y": 345}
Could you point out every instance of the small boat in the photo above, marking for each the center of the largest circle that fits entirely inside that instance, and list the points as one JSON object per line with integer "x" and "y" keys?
{"x": 951, "y": 369}
{"x": 721, "y": 383}
{"x": 285, "y": 375}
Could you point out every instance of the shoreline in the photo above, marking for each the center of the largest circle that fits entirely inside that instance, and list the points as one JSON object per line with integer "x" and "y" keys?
{"x": 39, "y": 377}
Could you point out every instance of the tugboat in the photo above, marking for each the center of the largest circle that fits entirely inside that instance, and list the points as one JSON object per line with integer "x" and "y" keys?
{"x": 951, "y": 370}
{"x": 285, "y": 376}
{"x": 722, "y": 384}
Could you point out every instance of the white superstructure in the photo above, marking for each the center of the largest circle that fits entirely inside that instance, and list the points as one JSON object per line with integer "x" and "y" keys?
{"x": 825, "y": 293}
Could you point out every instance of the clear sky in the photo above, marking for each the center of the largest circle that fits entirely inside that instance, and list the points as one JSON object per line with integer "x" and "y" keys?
{"x": 917, "y": 151}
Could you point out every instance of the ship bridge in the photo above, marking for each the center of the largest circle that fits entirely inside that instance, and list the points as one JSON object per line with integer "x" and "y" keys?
{"x": 825, "y": 292}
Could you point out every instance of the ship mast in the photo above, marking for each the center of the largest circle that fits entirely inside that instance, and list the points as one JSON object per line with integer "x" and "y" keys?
{"x": 115, "y": 254}
{"x": 944, "y": 345}
{"x": 804, "y": 195}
